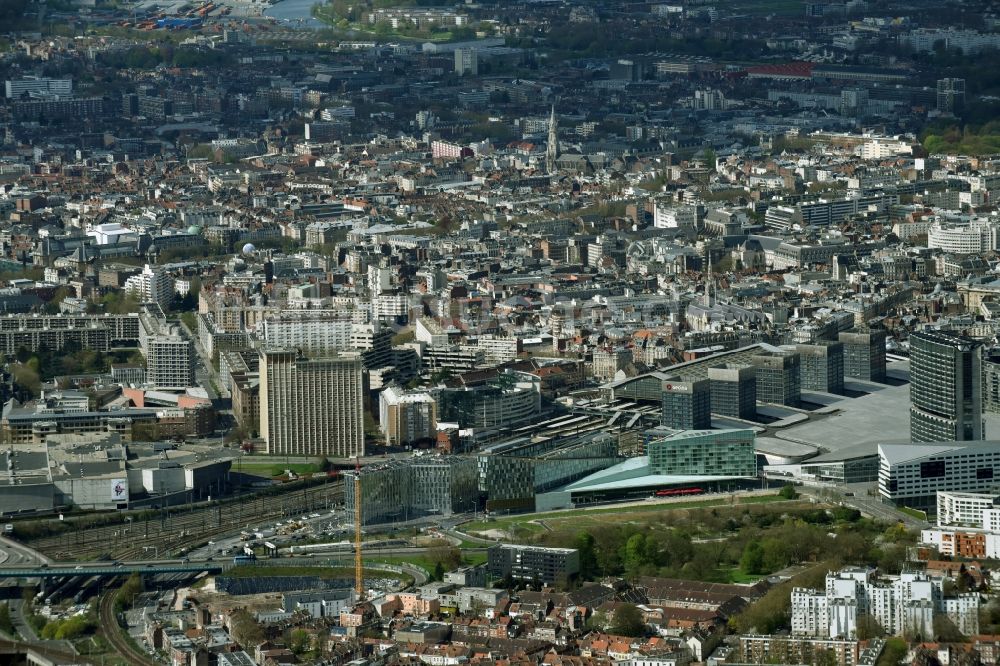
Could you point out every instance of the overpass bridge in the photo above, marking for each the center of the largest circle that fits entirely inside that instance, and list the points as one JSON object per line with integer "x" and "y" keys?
{"x": 108, "y": 569}
{"x": 37, "y": 655}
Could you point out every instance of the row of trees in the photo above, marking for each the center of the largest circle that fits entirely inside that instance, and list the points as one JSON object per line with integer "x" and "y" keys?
{"x": 32, "y": 368}
{"x": 970, "y": 140}
{"x": 148, "y": 57}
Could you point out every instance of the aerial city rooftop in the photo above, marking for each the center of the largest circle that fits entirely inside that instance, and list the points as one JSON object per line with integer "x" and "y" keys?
{"x": 565, "y": 332}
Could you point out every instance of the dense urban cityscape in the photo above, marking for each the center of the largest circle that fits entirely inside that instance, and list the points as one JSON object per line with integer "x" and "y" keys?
{"x": 500, "y": 332}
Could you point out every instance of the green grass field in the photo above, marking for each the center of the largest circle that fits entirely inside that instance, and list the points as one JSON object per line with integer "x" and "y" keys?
{"x": 915, "y": 513}
{"x": 737, "y": 576}
{"x": 531, "y": 523}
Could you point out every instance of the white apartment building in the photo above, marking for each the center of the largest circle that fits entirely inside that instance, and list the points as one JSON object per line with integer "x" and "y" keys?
{"x": 956, "y": 509}
{"x": 152, "y": 285}
{"x": 968, "y": 41}
{"x": 498, "y": 349}
{"x": 327, "y": 331}
{"x": 429, "y": 332}
{"x": 675, "y": 217}
{"x": 880, "y": 148}
{"x": 406, "y": 416}
{"x": 35, "y": 85}
{"x": 386, "y": 307}
{"x": 968, "y": 525}
{"x": 900, "y": 604}
{"x": 170, "y": 361}
{"x": 170, "y": 357}
{"x": 970, "y": 237}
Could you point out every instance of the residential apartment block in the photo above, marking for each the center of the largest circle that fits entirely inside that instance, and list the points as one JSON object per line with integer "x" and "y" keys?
{"x": 907, "y": 603}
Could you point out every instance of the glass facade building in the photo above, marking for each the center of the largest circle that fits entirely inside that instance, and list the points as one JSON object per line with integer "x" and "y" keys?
{"x": 401, "y": 490}
{"x": 512, "y": 473}
{"x": 687, "y": 405}
{"x": 704, "y": 453}
{"x": 946, "y": 403}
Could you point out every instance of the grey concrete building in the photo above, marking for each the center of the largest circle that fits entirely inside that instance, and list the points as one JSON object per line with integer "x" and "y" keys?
{"x": 864, "y": 355}
{"x": 734, "y": 391}
{"x": 311, "y": 406}
{"x": 778, "y": 377}
{"x": 991, "y": 380}
{"x": 533, "y": 563}
{"x": 822, "y": 366}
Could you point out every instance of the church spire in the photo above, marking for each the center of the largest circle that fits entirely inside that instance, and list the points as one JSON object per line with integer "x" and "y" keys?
{"x": 552, "y": 146}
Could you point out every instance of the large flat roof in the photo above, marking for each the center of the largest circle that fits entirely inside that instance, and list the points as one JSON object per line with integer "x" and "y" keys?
{"x": 635, "y": 473}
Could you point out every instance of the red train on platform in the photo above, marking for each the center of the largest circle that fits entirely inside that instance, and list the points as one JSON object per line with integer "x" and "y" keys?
{"x": 677, "y": 492}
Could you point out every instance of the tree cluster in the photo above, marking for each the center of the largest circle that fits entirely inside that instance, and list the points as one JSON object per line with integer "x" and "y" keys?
{"x": 715, "y": 542}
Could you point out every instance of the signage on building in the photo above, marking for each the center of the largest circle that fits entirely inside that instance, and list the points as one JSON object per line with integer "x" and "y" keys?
{"x": 119, "y": 490}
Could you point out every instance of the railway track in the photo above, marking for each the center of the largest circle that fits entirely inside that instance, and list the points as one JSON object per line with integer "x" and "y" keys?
{"x": 113, "y": 631}
{"x": 131, "y": 539}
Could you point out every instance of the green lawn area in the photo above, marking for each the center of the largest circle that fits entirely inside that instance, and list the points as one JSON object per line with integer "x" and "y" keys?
{"x": 585, "y": 517}
{"x": 324, "y": 14}
{"x": 737, "y": 576}
{"x": 915, "y": 513}
{"x": 425, "y": 562}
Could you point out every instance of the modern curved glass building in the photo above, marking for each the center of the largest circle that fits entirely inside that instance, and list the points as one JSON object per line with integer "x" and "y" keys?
{"x": 946, "y": 403}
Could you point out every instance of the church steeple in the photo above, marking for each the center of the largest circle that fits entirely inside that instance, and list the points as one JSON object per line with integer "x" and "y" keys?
{"x": 552, "y": 146}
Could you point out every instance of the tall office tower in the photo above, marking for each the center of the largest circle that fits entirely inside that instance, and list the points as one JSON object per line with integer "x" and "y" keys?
{"x": 311, "y": 406}
{"x": 946, "y": 402}
{"x": 864, "y": 355}
{"x": 687, "y": 405}
{"x": 778, "y": 377}
{"x": 734, "y": 391}
{"x": 466, "y": 62}
{"x": 991, "y": 380}
{"x": 822, "y": 366}
{"x": 170, "y": 361}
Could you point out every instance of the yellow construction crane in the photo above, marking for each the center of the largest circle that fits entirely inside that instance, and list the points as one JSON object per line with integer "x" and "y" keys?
{"x": 359, "y": 567}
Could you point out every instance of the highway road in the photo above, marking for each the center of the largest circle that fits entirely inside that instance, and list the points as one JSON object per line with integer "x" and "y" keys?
{"x": 857, "y": 497}
{"x": 13, "y": 553}
{"x": 20, "y": 622}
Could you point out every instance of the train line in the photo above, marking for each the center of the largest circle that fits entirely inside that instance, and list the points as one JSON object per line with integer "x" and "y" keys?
{"x": 113, "y": 631}
{"x": 159, "y": 535}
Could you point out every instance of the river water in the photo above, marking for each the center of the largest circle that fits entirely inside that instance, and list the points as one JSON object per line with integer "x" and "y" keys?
{"x": 294, "y": 10}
